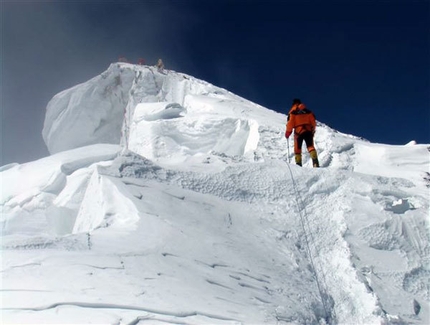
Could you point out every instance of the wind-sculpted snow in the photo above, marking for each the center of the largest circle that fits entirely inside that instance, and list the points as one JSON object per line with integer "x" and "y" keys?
{"x": 102, "y": 109}
{"x": 199, "y": 217}
{"x": 32, "y": 191}
{"x": 157, "y": 111}
{"x": 89, "y": 113}
{"x": 174, "y": 134}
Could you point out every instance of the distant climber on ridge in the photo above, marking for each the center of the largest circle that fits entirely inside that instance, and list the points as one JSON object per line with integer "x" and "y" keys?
{"x": 302, "y": 121}
{"x": 160, "y": 65}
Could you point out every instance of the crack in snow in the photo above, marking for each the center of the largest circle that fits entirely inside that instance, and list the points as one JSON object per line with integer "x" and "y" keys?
{"x": 179, "y": 314}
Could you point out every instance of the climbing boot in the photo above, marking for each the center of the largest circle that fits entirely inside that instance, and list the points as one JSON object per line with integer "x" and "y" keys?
{"x": 298, "y": 157}
{"x": 314, "y": 157}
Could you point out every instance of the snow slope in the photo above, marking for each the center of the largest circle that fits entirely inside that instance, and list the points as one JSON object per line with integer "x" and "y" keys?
{"x": 168, "y": 200}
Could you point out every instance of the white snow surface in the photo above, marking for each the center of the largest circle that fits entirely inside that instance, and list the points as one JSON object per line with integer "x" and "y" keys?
{"x": 168, "y": 200}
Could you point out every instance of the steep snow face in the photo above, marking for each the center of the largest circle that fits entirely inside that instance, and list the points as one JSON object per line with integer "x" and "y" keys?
{"x": 211, "y": 246}
{"x": 197, "y": 217}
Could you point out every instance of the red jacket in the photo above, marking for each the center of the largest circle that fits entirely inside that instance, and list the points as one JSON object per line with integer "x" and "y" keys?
{"x": 301, "y": 120}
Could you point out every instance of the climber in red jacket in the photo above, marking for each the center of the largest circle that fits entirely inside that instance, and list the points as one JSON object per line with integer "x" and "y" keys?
{"x": 302, "y": 121}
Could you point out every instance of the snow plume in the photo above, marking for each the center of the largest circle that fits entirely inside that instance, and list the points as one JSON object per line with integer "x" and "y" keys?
{"x": 169, "y": 200}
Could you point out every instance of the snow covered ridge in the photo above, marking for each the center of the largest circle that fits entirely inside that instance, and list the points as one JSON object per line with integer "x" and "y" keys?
{"x": 101, "y": 109}
{"x": 189, "y": 213}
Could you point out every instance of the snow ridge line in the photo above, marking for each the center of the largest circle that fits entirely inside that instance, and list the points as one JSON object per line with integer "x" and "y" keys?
{"x": 183, "y": 314}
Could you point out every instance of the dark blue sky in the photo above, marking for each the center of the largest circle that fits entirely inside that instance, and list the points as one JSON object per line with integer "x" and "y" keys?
{"x": 363, "y": 66}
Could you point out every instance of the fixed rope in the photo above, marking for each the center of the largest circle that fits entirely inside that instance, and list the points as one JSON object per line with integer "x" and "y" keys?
{"x": 304, "y": 221}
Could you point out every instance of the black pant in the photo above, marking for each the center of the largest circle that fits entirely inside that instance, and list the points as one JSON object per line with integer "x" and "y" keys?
{"x": 308, "y": 137}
